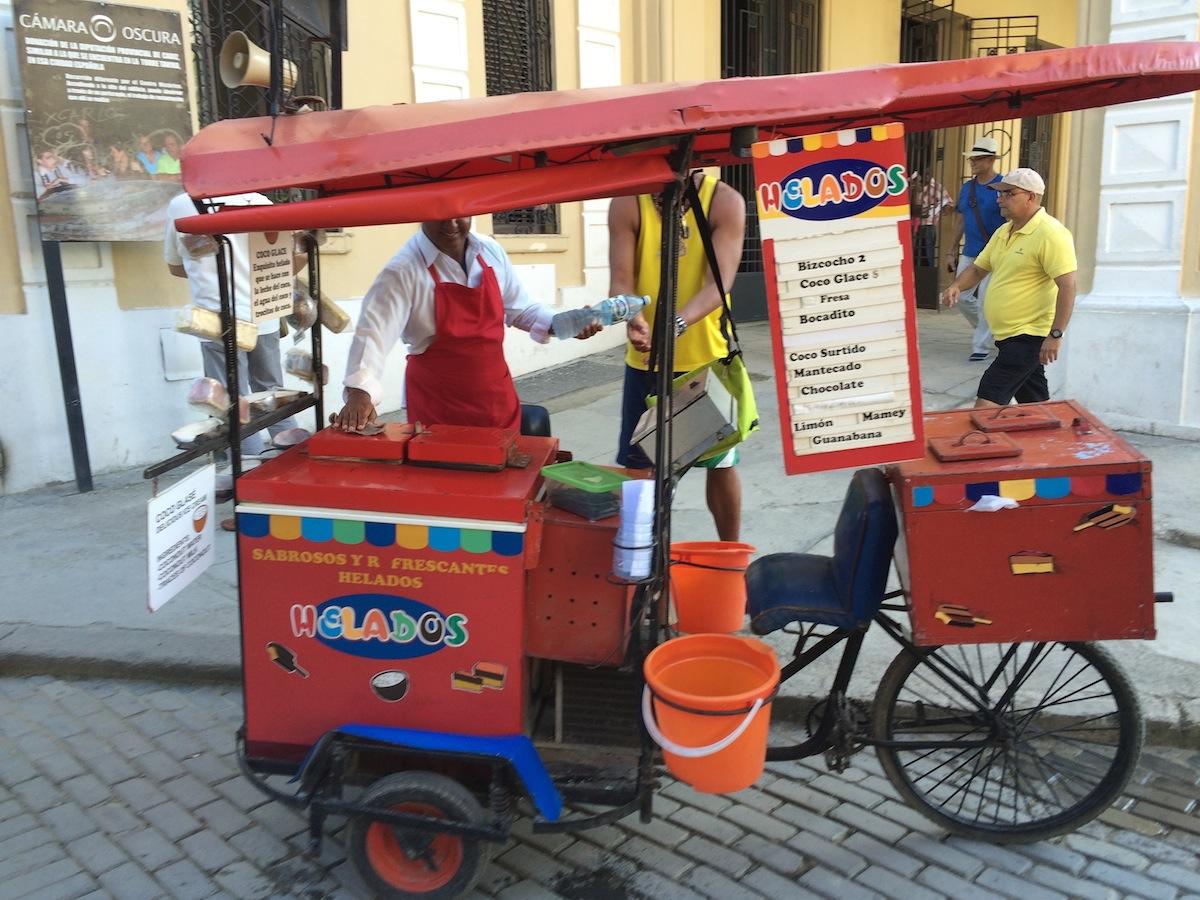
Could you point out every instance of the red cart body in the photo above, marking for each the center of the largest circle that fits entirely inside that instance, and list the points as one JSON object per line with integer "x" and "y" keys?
{"x": 383, "y": 593}
{"x": 1072, "y": 563}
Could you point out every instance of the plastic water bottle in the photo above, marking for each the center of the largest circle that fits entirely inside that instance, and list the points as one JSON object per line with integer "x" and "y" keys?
{"x": 622, "y": 308}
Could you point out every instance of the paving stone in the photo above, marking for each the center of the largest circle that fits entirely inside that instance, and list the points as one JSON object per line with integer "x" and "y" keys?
{"x": 38, "y": 794}
{"x": 831, "y": 884}
{"x": 835, "y": 856}
{"x": 1159, "y": 850}
{"x": 1104, "y": 850}
{"x": 61, "y": 725}
{"x": 140, "y": 794}
{"x": 776, "y": 886}
{"x": 701, "y": 822}
{"x": 97, "y": 853}
{"x": 222, "y": 818}
{"x": 1118, "y": 818}
{"x": 29, "y": 849}
{"x": 759, "y": 822}
{"x": 882, "y": 855}
{"x": 208, "y": 768}
{"x": 151, "y": 850}
{"x": 711, "y": 883}
{"x": 721, "y": 858}
{"x": 38, "y": 876}
{"x": 59, "y": 766}
{"x": 660, "y": 859}
{"x": 771, "y": 854}
{"x": 585, "y": 855}
{"x": 865, "y": 820}
{"x": 1054, "y": 854}
{"x": 1070, "y": 884}
{"x": 241, "y": 793}
{"x": 756, "y": 799}
{"x": 74, "y": 887}
{"x": 16, "y": 826}
{"x": 1168, "y": 799}
{"x": 1168, "y": 817}
{"x": 87, "y": 790}
{"x": 953, "y": 886}
{"x": 184, "y": 880}
{"x": 208, "y": 851}
{"x": 807, "y": 820}
{"x": 1129, "y": 882}
{"x": 531, "y": 863}
{"x": 190, "y": 791}
{"x": 805, "y": 795}
{"x": 1015, "y": 886}
{"x": 131, "y": 744}
{"x": 172, "y": 820}
{"x": 660, "y": 831}
{"x": 115, "y": 818}
{"x": 259, "y": 846}
{"x": 888, "y": 883}
{"x": 942, "y": 855}
{"x": 710, "y": 803}
{"x": 528, "y": 890}
{"x": 14, "y": 766}
{"x": 278, "y": 819}
{"x": 1187, "y": 879}
{"x": 68, "y": 822}
{"x": 995, "y": 855}
{"x": 245, "y": 882}
{"x": 830, "y": 784}
{"x": 110, "y": 766}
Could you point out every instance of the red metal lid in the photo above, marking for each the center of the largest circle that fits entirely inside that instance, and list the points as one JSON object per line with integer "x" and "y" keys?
{"x": 387, "y": 445}
{"x": 295, "y": 479}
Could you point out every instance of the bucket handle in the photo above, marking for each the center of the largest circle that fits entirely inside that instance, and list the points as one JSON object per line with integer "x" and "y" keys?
{"x": 692, "y": 752}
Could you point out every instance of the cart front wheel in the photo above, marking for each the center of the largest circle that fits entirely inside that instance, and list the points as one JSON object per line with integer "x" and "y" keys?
{"x": 402, "y": 862}
{"x": 1009, "y": 742}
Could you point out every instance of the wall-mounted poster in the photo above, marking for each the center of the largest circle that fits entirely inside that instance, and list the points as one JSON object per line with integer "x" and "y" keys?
{"x": 834, "y": 217}
{"x": 106, "y": 106}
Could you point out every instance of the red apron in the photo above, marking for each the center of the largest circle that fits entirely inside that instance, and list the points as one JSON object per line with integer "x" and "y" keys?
{"x": 461, "y": 378}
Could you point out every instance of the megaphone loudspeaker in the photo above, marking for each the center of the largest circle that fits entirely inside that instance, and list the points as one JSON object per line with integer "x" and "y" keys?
{"x": 243, "y": 63}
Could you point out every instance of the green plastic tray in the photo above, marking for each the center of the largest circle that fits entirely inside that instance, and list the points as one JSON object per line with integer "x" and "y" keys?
{"x": 585, "y": 476}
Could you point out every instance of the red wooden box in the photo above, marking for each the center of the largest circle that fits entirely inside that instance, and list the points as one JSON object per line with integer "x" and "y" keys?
{"x": 1072, "y": 563}
{"x": 574, "y": 613}
{"x": 383, "y": 594}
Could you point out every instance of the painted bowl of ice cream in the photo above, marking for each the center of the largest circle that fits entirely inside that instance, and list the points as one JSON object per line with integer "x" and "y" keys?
{"x": 391, "y": 685}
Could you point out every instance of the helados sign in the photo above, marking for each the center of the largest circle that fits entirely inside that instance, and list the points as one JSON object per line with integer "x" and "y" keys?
{"x": 379, "y": 626}
{"x": 833, "y": 189}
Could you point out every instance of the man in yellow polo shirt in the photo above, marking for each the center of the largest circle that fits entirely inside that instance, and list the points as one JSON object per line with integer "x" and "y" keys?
{"x": 1031, "y": 258}
{"x": 634, "y": 243}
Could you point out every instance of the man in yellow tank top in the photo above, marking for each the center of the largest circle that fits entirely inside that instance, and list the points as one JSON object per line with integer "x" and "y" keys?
{"x": 634, "y": 249}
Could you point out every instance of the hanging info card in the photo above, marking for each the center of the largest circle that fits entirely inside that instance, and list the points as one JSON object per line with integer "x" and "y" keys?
{"x": 834, "y": 217}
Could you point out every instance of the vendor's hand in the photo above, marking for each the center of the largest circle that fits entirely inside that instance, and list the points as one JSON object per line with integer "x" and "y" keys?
{"x": 1050, "y": 348}
{"x": 950, "y": 296}
{"x": 594, "y": 328}
{"x": 358, "y": 412}
{"x": 637, "y": 330}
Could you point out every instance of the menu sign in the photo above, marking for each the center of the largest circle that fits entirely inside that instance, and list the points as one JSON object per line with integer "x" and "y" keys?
{"x": 834, "y": 218}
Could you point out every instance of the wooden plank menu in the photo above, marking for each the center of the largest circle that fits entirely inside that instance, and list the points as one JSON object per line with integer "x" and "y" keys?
{"x": 834, "y": 217}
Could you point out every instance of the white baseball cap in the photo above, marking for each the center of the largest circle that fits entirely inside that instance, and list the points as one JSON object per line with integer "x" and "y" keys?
{"x": 984, "y": 146}
{"x": 1024, "y": 179}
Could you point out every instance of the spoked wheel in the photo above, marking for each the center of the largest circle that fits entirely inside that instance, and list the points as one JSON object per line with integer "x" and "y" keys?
{"x": 400, "y": 863}
{"x": 1011, "y": 742}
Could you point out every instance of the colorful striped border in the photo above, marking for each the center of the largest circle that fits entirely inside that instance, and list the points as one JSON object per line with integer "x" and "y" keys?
{"x": 1027, "y": 488}
{"x": 827, "y": 141}
{"x": 380, "y": 534}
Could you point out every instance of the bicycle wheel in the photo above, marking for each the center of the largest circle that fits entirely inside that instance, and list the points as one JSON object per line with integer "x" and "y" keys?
{"x": 1012, "y": 742}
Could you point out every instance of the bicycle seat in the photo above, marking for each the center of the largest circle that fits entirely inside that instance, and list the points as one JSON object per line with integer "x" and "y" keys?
{"x": 843, "y": 590}
{"x": 535, "y": 420}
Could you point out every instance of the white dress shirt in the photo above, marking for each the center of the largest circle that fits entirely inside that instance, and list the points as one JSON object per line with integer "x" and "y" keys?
{"x": 399, "y": 305}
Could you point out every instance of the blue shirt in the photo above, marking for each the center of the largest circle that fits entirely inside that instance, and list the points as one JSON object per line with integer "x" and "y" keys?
{"x": 989, "y": 211}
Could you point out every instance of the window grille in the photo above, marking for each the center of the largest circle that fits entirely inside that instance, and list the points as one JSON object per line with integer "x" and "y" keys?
{"x": 519, "y": 57}
{"x": 764, "y": 37}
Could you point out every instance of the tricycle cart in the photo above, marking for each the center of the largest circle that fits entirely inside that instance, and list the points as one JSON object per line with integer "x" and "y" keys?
{"x": 433, "y": 651}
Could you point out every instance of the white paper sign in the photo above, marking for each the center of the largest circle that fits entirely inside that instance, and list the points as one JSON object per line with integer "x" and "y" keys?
{"x": 179, "y": 524}
{"x": 270, "y": 275}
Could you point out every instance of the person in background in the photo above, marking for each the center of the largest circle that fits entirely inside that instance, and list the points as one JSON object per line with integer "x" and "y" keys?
{"x": 978, "y": 218}
{"x": 634, "y": 242}
{"x": 194, "y": 257}
{"x": 122, "y": 164}
{"x": 167, "y": 164}
{"x": 147, "y": 156}
{"x": 447, "y": 294}
{"x": 51, "y": 173}
{"x": 931, "y": 200}
{"x": 1031, "y": 258}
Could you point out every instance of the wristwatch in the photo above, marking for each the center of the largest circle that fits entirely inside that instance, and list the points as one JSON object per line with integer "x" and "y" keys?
{"x": 1056, "y": 333}
{"x": 680, "y": 326}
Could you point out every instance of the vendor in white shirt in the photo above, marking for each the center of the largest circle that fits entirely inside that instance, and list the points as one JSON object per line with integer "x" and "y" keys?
{"x": 447, "y": 294}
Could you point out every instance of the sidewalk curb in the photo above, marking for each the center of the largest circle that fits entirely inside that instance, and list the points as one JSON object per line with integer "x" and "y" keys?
{"x": 134, "y": 655}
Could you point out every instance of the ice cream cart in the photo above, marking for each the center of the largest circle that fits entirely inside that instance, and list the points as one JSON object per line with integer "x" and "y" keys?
{"x": 415, "y": 616}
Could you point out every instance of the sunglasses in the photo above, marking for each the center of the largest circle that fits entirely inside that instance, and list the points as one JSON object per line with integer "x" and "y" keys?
{"x": 1004, "y": 193}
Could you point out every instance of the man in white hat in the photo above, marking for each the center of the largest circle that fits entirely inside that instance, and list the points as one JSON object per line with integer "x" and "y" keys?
{"x": 1031, "y": 259}
{"x": 978, "y": 218}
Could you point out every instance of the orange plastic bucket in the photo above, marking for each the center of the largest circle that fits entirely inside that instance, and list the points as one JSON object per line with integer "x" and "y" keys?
{"x": 707, "y": 703}
{"x": 708, "y": 585}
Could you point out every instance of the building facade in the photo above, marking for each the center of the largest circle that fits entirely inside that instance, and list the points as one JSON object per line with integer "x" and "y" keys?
{"x": 135, "y": 370}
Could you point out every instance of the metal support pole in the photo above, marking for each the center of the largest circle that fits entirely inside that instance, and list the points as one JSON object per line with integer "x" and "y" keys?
{"x": 229, "y": 345}
{"x": 314, "y": 291}
{"x": 59, "y": 314}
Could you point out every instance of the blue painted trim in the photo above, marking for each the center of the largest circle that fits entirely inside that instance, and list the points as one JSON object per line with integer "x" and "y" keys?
{"x": 254, "y": 525}
{"x": 517, "y": 749}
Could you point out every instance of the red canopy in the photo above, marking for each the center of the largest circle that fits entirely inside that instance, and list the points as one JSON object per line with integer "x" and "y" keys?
{"x": 436, "y": 160}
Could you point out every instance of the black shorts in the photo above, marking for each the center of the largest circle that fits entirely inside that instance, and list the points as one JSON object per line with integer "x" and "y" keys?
{"x": 1016, "y": 371}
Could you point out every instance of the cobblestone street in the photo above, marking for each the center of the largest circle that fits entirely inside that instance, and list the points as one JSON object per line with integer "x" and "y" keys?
{"x": 131, "y": 790}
